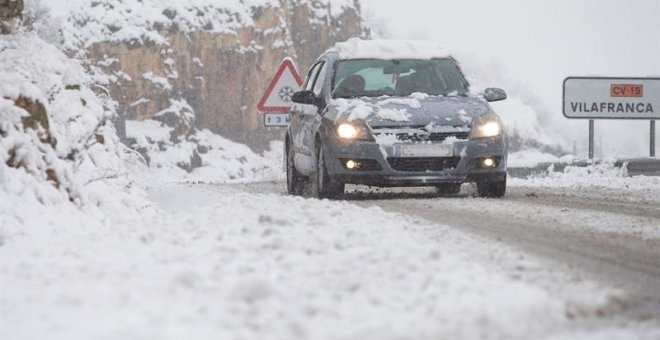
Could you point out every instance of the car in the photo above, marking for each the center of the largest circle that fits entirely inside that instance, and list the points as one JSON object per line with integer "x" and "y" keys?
{"x": 391, "y": 113}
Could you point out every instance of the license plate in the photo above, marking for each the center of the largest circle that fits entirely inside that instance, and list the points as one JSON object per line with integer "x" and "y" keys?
{"x": 425, "y": 150}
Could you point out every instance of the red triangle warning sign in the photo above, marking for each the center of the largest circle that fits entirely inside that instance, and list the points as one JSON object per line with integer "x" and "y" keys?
{"x": 277, "y": 97}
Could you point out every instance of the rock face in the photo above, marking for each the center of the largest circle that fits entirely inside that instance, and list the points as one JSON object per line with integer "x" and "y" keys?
{"x": 221, "y": 75}
{"x": 9, "y": 10}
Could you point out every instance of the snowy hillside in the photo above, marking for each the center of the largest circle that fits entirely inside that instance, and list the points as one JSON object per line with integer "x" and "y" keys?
{"x": 146, "y": 21}
{"x": 58, "y": 143}
{"x": 217, "y": 56}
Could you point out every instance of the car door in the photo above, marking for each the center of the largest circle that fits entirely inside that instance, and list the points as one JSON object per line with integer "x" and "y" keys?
{"x": 311, "y": 113}
{"x": 300, "y": 124}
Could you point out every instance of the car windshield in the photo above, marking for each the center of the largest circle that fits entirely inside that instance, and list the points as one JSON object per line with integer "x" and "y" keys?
{"x": 377, "y": 77}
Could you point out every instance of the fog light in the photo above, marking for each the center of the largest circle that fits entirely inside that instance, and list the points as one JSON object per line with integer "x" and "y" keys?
{"x": 488, "y": 163}
{"x": 351, "y": 165}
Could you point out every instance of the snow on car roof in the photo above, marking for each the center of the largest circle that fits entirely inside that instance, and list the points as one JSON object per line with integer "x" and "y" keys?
{"x": 389, "y": 49}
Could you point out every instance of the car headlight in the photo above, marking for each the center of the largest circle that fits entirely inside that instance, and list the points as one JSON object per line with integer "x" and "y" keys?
{"x": 352, "y": 131}
{"x": 486, "y": 126}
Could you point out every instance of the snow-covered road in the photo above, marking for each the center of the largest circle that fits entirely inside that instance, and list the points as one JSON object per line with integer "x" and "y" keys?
{"x": 607, "y": 235}
{"x": 244, "y": 261}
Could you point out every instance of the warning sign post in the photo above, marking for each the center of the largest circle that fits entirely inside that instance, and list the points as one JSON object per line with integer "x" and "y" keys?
{"x": 276, "y": 101}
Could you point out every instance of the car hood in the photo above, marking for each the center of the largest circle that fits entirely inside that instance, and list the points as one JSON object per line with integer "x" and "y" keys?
{"x": 416, "y": 110}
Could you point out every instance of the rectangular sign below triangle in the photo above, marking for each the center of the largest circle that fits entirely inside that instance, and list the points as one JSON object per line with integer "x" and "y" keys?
{"x": 277, "y": 97}
{"x": 276, "y": 119}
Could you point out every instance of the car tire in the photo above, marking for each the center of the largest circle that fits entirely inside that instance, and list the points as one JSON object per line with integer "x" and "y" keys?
{"x": 448, "y": 189}
{"x": 492, "y": 189}
{"x": 323, "y": 186}
{"x": 295, "y": 181}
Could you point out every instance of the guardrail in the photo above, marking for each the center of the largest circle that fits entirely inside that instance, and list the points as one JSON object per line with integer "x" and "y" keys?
{"x": 635, "y": 166}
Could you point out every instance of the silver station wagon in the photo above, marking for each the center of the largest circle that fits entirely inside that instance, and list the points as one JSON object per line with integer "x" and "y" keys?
{"x": 393, "y": 114}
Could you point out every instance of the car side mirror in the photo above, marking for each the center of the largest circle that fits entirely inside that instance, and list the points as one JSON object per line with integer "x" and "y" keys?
{"x": 493, "y": 94}
{"x": 304, "y": 97}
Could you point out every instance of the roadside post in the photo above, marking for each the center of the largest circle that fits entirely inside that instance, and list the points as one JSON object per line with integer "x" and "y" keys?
{"x": 592, "y": 134}
{"x": 275, "y": 103}
{"x": 612, "y": 98}
{"x": 653, "y": 138}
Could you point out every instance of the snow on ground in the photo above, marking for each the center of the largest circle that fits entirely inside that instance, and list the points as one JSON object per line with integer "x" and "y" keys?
{"x": 602, "y": 176}
{"x": 530, "y": 158}
{"x": 220, "y": 160}
{"x": 213, "y": 262}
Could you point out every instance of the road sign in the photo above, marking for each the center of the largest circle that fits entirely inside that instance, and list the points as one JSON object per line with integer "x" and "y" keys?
{"x": 277, "y": 97}
{"x": 276, "y": 119}
{"x": 612, "y": 98}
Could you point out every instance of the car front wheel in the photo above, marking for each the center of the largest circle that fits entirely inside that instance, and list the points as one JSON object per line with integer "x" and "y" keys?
{"x": 492, "y": 188}
{"x": 295, "y": 181}
{"x": 323, "y": 185}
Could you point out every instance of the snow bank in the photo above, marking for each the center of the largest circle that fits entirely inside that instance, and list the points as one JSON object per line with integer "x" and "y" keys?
{"x": 388, "y": 49}
{"x": 218, "y": 263}
{"x": 601, "y": 176}
{"x": 530, "y": 157}
{"x": 200, "y": 157}
{"x": 56, "y": 134}
{"x": 57, "y": 144}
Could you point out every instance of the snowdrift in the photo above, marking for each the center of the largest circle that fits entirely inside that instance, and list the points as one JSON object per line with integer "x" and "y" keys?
{"x": 176, "y": 150}
{"x": 57, "y": 134}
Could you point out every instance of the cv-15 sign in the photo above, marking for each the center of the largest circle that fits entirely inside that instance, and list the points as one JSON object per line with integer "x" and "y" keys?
{"x": 612, "y": 98}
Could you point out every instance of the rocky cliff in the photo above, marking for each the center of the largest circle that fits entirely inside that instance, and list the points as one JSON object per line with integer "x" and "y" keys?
{"x": 10, "y": 10}
{"x": 216, "y": 58}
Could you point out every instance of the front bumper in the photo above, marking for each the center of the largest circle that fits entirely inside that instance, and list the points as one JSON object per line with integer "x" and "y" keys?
{"x": 384, "y": 164}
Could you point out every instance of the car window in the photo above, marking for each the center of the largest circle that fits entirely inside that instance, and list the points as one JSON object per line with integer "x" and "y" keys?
{"x": 309, "y": 83}
{"x": 320, "y": 80}
{"x": 375, "y": 79}
{"x": 378, "y": 77}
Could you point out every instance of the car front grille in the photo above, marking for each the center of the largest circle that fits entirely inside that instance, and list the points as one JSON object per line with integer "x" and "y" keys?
{"x": 422, "y": 135}
{"x": 433, "y": 137}
{"x": 423, "y": 164}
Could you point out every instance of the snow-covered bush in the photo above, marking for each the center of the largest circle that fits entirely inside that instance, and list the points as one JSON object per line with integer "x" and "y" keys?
{"x": 56, "y": 138}
{"x": 37, "y": 18}
{"x": 175, "y": 150}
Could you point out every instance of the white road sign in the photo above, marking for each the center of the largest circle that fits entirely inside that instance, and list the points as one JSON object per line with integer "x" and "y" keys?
{"x": 612, "y": 98}
{"x": 276, "y": 119}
